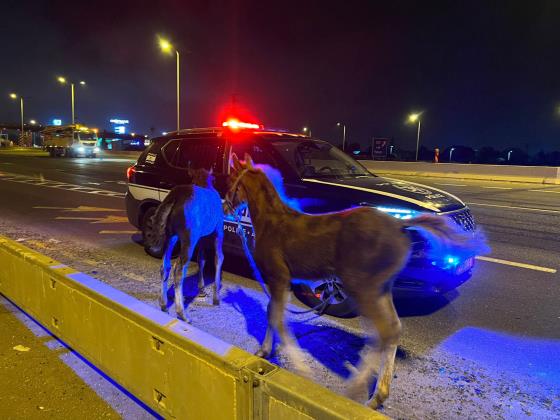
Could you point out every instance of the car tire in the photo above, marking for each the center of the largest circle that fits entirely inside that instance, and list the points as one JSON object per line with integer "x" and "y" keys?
{"x": 147, "y": 232}
{"x": 329, "y": 291}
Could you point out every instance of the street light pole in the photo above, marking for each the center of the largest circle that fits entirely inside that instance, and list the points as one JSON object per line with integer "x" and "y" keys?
{"x": 167, "y": 48}
{"x": 451, "y": 153}
{"x": 63, "y": 81}
{"x": 418, "y": 139}
{"x": 15, "y": 96}
{"x": 178, "y": 95}
{"x": 343, "y": 134}
{"x": 72, "y": 94}
{"x": 413, "y": 118}
{"x": 21, "y": 108}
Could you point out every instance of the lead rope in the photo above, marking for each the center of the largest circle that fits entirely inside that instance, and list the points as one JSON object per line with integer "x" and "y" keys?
{"x": 320, "y": 308}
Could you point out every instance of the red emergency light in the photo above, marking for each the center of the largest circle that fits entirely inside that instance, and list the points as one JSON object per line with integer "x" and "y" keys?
{"x": 235, "y": 124}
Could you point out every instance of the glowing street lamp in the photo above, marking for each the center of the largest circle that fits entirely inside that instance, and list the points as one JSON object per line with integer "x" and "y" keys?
{"x": 307, "y": 130}
{"x": 62, "y": 80}
{"x": 338, "y": 124}
{"x": 451, "y": 153}
{"x": 15, "y": 96}
{"x": 167, "y": 48}
{"x": 32, "y": 122}
{"x": 412, "y": 118}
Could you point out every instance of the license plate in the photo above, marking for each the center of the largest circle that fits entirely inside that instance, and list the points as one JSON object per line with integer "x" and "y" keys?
{"x": 464, "y": 266}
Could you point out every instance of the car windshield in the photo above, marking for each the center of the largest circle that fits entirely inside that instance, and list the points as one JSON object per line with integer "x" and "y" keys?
{"x": 85, "y": 136}
{"x": 319, "y": 159}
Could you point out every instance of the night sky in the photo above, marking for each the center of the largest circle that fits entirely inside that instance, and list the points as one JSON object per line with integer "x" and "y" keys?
{"x": 483, "y": 72}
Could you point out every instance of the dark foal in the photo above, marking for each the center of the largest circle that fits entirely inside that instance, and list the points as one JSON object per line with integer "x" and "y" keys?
{"x": 191, "y": 214}
{"x": 364, "y": 247}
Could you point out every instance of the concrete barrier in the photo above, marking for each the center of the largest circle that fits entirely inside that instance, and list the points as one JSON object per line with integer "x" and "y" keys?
{"x": 176, "y": 369}
{"x": 510, "y": 173}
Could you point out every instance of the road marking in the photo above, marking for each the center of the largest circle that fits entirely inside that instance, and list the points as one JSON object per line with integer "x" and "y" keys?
{"x": 75, "y": 218}
{"x": 118, "y": 232}
{"x": 113, "y": 219}
{"x": 516, "y": 264}
{"x": 515, "y": 207}
{"x": 105, "y": 219}
{"x": 499, "y": 188}
{"x": 452, "y": 184}
{"x": 41, "y": 181}
{"x": 77, "y": 209}
{"x": 545, "y": 191}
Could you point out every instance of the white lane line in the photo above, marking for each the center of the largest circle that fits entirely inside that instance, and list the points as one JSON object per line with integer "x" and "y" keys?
{"x": 517, "y": 264}
{"x": 515, "y": 208}
{"x": 499, "y": 188}
{"x": 453, "y": 185}
{"x": 118, "y": 232}
{"x": 545, "y": 191}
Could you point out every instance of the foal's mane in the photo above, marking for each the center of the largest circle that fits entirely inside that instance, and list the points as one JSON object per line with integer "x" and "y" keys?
{"x": 275, "y": 178}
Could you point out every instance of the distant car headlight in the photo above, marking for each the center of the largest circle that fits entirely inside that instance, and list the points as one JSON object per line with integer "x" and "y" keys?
{"x": 95, "y": 149}
{"x": 81, "y": 149}
{"x": 398, "y": 213}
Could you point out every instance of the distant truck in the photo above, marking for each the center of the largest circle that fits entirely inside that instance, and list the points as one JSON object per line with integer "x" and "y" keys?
{"x": 71, "y": 140}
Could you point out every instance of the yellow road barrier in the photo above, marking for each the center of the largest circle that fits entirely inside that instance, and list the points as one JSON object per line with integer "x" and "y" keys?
{"x": 176, "y": 369}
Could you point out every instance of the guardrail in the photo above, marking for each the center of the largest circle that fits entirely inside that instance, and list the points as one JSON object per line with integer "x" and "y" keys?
{"x": 176, "y": 369}
{"x": 531, "y": 174}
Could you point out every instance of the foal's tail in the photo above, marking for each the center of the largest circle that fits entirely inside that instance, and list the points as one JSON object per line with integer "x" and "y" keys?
{"x": 446, "y": 236}
{"x": 159, "y": 221}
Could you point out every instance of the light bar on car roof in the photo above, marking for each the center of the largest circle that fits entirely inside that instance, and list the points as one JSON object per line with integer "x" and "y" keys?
{"x": 236, "y": 124}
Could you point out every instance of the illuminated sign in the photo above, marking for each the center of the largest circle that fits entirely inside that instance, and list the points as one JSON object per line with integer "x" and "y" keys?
{"x": 118, "y": 121}
{"x": 120, "y": 129}
{"x": 56, "y": 122}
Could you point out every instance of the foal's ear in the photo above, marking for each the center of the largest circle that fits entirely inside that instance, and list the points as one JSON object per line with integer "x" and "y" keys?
{"x": 211, "y": 171}
{"x": 249, "y": 161}
{"x": 235, "y": 162}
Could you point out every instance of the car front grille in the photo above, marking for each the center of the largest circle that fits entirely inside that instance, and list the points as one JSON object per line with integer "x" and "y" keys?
{"x": 463, "y": 218}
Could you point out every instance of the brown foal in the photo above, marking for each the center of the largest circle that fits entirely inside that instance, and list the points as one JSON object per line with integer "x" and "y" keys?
{"x": 363, "y": 247}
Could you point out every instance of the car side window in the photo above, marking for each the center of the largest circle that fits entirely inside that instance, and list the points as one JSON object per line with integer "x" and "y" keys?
{"x": 170, "y": 151}
{"x": 257, "y": 153}
{"x": 199, "y": 153}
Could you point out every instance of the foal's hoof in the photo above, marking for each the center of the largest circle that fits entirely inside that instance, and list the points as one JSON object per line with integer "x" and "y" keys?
{"x": 216, "y": 302}
{"x": 355, "y": 389}
{"x": 185, "y": 318}
{"x": 375, "y": 402}
{"x": 262, "y": 353}
{"x": 164, "y": 309}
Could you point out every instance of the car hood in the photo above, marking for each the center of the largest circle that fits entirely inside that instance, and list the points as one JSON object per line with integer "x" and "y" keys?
{"x": 416, "y": 195}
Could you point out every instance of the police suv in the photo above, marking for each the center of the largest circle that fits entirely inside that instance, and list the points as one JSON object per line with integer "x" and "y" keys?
{"x": 316, "y": 174}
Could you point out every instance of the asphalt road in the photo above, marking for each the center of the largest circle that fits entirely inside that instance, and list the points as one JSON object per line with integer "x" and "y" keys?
{"x": 505, "y": 321}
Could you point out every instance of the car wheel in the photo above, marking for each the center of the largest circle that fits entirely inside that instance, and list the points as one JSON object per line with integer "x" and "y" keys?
{"x": 329, "y": 291}
{"x": 148, "y": 234}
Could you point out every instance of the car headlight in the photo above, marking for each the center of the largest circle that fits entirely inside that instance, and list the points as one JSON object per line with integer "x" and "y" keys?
{"x": 81, "y": 149}
{"x": 398, "y": 213}
{"x": 95, "y": 149}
